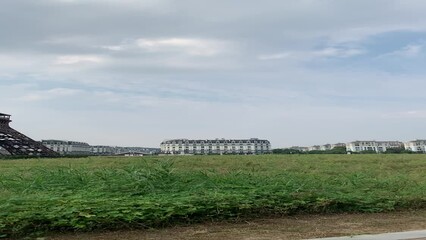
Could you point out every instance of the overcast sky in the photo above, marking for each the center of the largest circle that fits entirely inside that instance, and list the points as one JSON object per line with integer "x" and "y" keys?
{"x": 136, "y": 72}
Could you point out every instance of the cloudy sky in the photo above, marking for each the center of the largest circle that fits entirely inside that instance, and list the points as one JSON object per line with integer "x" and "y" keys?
{"x": 136, "y": 72}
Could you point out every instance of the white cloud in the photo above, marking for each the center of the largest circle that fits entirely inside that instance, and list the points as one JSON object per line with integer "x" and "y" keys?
{"x": 408, "y": 51}
{"x": 328, "y": 52}
{"x": 143, "y": 3}
{"x": 49, "y": 94}
{"x": 415, "y": 114}
{"x": 338, "y": 52}
{"x": 274, "y": 56}
{"x": 189, "y": 46}
{"x": 20, "y": 62}
{"x": 114, "y": 47}
{"x": 174, "y": 53}
{"x": 78, "y": 40}
{"x": 76, "y": 59}
{"x": 412, "y": 50}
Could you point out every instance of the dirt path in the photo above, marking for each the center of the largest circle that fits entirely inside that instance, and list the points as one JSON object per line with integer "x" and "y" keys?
{"x": 292, "y": 227}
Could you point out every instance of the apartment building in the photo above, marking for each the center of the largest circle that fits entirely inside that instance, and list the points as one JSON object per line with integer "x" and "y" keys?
{"x": 216, "y": 146}
{"x": 102, "y": 150}
{"x": 325, "y": 147}
{"x": 377, "y": 146}
{"x": 314, "y": 148}
{"x": 338, "y": 145}
{"x": 416, "y": 146}
{"x": 68, "y": 147}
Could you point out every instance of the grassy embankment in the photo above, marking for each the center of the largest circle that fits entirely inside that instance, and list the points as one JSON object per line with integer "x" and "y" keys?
{"x": 111, "y": 193}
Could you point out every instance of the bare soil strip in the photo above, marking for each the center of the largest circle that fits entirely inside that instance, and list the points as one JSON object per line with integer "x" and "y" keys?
{"x": 289, "y": 227}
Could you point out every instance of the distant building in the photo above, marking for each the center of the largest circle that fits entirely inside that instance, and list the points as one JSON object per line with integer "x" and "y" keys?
{"x": 217, "y": 146}
{"x": 326, "y": 147}
{"x": 376, "y": 146}
{"x": 82, "y": 148}
{"x": 416, "y": 146}
{"x": 136, "y": 150}
{"x": 68, "y": 147}
{"x": 338, "y": 145}
{"x": 314, "y": 148}
{"x": 102, "y": 150}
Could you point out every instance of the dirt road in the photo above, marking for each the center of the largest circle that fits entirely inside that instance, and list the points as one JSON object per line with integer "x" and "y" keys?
{"x": 291, "y": 227}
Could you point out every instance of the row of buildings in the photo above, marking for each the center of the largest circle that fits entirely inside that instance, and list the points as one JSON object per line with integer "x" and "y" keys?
{"x": 418, "y": 146}
{"x": 216, "y": 146}
{"x": 81, "y": 148}
{"x": 224, "y": 146}
{"x": 174, "y": 146}
{"x": 324, "y": 147}
{"x": 259, "y": 146}
{"x": 373, "y": 146}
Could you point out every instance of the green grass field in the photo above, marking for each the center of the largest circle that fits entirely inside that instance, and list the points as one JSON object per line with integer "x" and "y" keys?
{"x": 112, "y": 193}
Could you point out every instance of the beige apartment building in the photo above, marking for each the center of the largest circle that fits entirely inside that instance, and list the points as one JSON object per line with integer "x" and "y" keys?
{"x": 216, "y": 146}
{"x": 68, "y": 147}
{"x": 377, "y": 146}
{"x": 416, "y": 146}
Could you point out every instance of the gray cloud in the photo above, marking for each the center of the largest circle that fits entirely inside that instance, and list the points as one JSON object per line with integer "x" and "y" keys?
{"x": 297, "y": 72}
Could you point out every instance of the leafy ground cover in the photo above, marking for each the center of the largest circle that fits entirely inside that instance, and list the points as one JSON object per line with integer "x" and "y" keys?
{"x": 43, "y": 195}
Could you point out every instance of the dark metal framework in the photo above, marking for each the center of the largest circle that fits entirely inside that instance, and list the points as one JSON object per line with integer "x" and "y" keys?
{"x": 16, "y": 143}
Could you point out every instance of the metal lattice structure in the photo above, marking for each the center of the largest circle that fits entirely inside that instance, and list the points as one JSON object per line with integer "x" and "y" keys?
{"x": 16, "y": 143}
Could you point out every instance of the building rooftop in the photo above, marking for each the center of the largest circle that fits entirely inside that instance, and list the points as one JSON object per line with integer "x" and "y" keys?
{"x": 4, "y": 118}
{"x": 209, "y": 141}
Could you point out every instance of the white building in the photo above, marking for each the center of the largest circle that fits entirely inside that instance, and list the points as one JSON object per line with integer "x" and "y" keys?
{"x": 68, "y": 147}
{"x": 217, "y": 146}
{"x": 416, "y": 146}
{"x": 338, "y": 145}
{"x": 377, "y": 146}
{"x": 102, "y": 150}
{"x": 314, "y": 148}
{"x": 326, "y": 147}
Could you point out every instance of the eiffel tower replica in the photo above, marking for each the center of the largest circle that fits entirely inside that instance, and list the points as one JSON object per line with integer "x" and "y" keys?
{"x": 13, "y": 142}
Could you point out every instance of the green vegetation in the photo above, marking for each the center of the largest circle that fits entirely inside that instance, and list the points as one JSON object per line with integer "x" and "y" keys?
{"x": 398, "y": 150}
{"x": 39, "y": 195}
{"x": 287, "y": 151}
{"x": 336, "y": 150}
